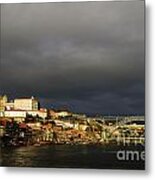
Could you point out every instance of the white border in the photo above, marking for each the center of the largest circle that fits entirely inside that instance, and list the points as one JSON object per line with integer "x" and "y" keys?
{"x": 69, "y": 174}
{"x": 36, "y": 1}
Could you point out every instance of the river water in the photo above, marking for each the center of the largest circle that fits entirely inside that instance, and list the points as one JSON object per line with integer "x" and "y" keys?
{"x": 70, "y": 156}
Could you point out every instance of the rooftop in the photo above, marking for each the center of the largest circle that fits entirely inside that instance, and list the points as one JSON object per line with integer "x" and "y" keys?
{"x": 32, "y": 97}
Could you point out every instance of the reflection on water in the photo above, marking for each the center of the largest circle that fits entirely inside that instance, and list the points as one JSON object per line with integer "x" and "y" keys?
{"x": 65, "y": 156}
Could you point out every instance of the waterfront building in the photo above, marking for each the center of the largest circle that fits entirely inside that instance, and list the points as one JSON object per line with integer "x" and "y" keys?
{"x": 82, "y": 127}
{"x": 34, "y": 126}
{"x": 64, "y": 124}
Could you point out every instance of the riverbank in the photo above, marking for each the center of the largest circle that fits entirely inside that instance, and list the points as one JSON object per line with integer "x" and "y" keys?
{"x": 42, "y": 133}
{"x": 64, "y": 156}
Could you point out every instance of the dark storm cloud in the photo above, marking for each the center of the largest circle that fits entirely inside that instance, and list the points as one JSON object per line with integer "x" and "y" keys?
{"x": 89, "y": 56}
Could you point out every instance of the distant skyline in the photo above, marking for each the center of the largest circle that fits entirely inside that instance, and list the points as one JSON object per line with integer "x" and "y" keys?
{"x": 88, "y": 57}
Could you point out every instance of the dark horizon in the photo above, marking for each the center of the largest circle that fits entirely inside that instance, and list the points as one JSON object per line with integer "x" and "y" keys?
{"x": 88, "y": 57}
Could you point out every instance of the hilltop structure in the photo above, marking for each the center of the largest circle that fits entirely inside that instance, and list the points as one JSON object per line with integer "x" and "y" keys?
{"x": 26, "y": 103}
{"x": 19, "y": 108}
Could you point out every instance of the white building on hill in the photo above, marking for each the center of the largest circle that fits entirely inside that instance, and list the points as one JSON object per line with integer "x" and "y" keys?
{"x": 27, "y": 104}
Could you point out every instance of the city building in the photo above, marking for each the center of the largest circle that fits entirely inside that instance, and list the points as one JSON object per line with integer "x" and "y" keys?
{"x": 27, "y": 104}
{"x": 5, "y": 104}
{"x": 19, "y": 108}
{"x": 3, "y": 101}
{"x": 52, "y": 113}
{"x": 17, "y": 115}
{"x": 79, "y": 116}
{"x": 59, "y": 113}
{"x": 63, "y": 113}
{"x": 9, "y": 105}
{"x": 42, "y": 113}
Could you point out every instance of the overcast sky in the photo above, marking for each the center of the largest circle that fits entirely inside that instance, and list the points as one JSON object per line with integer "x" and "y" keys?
{"x": 86, "y": 56}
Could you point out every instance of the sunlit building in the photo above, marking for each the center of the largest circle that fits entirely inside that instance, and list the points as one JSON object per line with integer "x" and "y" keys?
{"x": 26, "y": 104}
{"x": 3, "y": 101}
{"x": 9, "y": 105}
{"x": 59, "y": 113}
{"x": 42, "y": 113}
{"x": 17, "y": 115}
